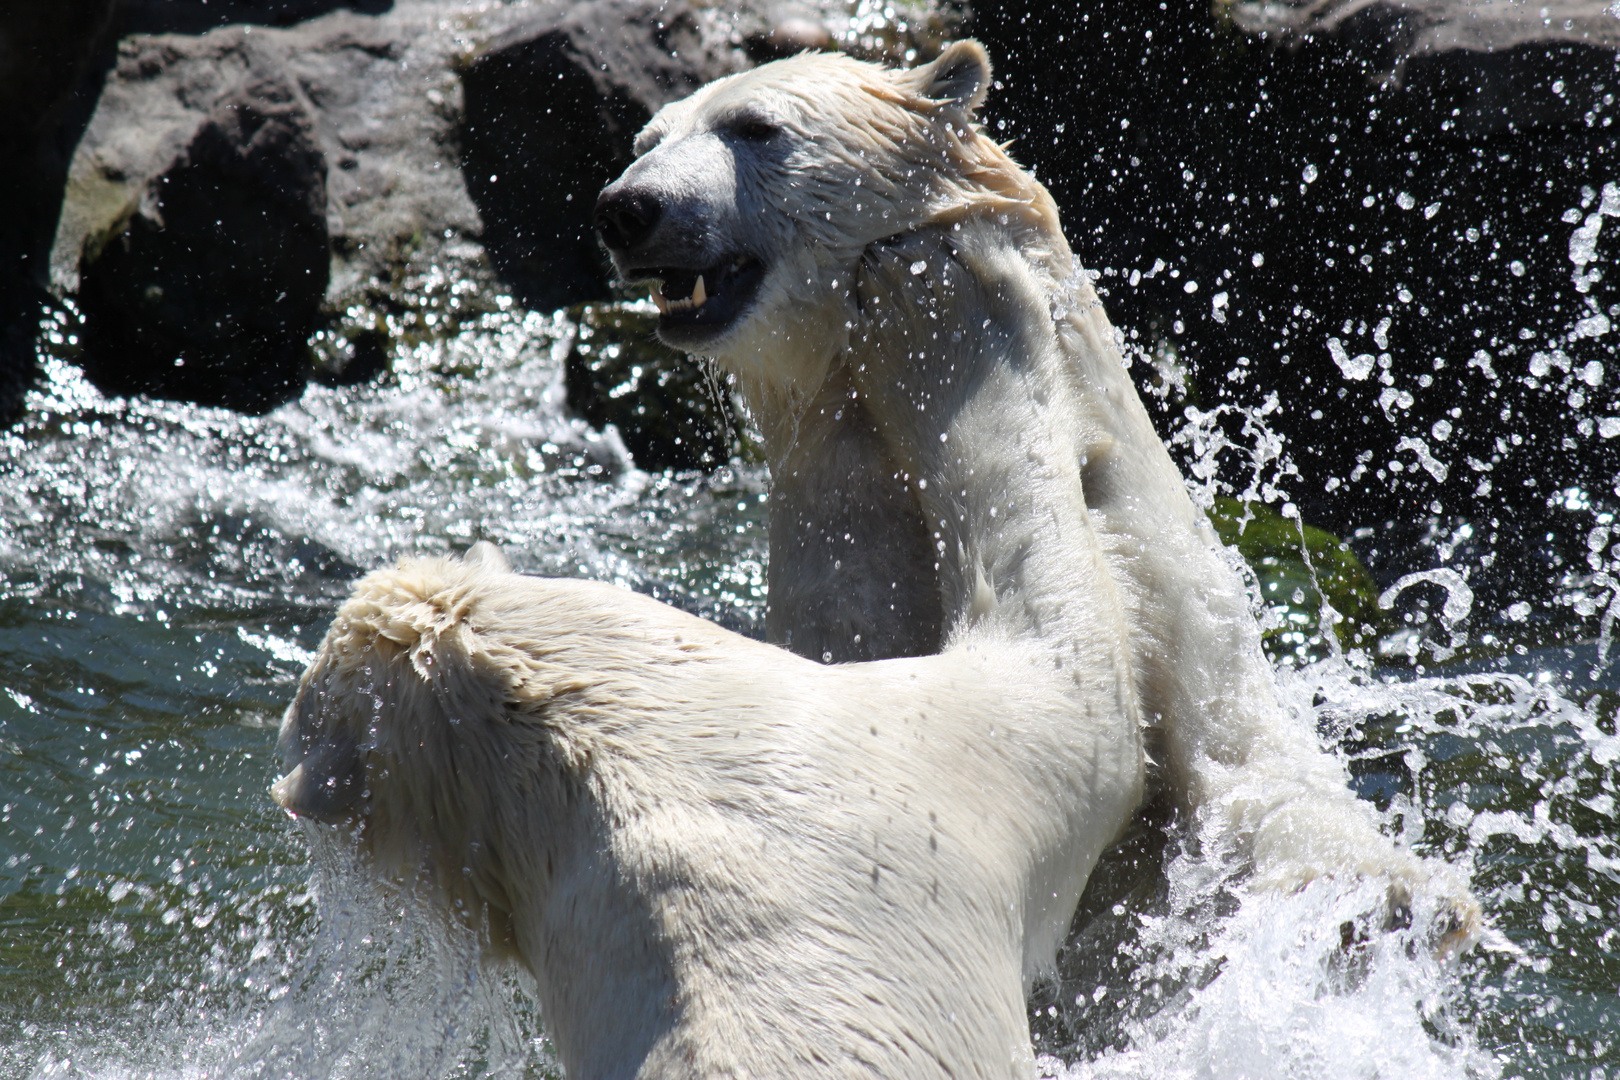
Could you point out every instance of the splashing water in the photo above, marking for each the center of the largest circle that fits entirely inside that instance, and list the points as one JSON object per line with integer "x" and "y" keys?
{"x": 1497, "y": 773}
{"x": 166, "y": 571}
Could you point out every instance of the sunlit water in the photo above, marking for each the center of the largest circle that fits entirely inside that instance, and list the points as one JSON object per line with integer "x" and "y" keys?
{"x": 165, "y": 572}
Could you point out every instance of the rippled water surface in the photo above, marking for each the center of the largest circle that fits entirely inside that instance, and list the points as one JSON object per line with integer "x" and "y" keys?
{"x": 165, "y": 572}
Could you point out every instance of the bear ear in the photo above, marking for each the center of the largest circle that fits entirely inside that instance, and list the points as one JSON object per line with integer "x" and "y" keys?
{"x": 959, "y": 76}
{"x": 486, "y": 556}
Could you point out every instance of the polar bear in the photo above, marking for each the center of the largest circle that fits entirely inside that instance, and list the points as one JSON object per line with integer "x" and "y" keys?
{"x": 769, "y": 207}
{"x": 718, "y": 858}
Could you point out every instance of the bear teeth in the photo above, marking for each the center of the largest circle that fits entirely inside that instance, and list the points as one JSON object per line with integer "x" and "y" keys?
{"x": 667, "y": 306}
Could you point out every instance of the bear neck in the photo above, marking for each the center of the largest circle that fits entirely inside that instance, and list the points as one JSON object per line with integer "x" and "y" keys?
{"x": 955, "y": 357}
{"x": 851, "y": 573}
{"x": 852, "y": 568}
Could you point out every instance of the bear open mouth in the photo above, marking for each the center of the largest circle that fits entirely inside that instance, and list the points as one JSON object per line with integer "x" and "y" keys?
{"x": 704, "y": 300}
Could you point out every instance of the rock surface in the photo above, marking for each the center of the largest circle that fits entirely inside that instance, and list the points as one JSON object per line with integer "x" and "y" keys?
{"x": 378, "y": 105}
{"x": 1404, "y": 29}
{"x": 671, "y": 413}
{"x": 552, "y": 107}
{"x": 210, "y": 287}
{"x": 200, "y": 16}
{"x": 223, "y": 160}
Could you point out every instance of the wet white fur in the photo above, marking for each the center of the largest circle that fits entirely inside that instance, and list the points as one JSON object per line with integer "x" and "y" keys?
{"x": 719, "y": 858}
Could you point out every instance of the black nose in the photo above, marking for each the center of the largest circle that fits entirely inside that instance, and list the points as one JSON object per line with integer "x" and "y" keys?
{"x": 625, "y": 217}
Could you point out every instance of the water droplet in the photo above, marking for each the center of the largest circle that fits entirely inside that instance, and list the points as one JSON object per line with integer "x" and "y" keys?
{"x": 1356, "y": 368}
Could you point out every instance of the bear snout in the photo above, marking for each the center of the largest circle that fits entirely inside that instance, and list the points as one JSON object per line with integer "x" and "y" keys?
{"x": 328, "y": 785}
{"x": 625, "y": 217}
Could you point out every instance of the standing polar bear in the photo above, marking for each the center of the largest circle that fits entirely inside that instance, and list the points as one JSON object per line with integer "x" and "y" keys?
{"x": 810, "y": 224}
{"x": 718, "y": 858}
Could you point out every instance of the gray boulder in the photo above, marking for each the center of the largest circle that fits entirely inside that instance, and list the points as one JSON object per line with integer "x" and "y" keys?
{"x": 236, "y": 187}
{"x": 1412, "y": 28}
{"x": 232, "y": 185}
{"x": 211, "y": 286}
{"x": 222, "y": 170}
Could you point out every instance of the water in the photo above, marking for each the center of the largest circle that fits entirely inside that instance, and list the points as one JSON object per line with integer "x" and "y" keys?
{"x": 165, "y": 572}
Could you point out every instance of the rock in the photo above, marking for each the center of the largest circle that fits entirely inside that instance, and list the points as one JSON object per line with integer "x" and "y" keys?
{"x": 1396, "y": 184}
{"x": 788, "y": 37}
{"x": 1494, "y": 62}
{"x": 355, "y": 173}
{"x": 211, "y": 286}
{"x": 199, "y": 16}
{"x": 380, "y": 100}
{"x": 1403, "y": 29}
{"x": 46, "y": 52}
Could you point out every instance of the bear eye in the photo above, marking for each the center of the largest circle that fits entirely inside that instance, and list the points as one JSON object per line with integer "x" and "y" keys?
{"x": 755, "y": 128}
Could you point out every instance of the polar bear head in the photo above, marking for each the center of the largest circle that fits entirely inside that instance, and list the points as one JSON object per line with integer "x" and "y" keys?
{"x": 753, "y": 200}
{"x": 427, "y": 723}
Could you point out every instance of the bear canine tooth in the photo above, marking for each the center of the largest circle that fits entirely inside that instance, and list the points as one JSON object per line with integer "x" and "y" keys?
{"x": 698, "y": 293}
{"x": 658, "y": 299}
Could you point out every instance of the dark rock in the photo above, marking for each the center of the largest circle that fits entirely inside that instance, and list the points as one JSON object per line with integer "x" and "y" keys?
{"x": 789, "y": 37}
{"x": 1399, "y": 30}
{"x": 356, "y": 358}
{"x": 210, "y": 289}
{"x": 47, "y": 53}
{"x": 359, "y": 150}
{"x": 670, "y": 412}
{"x": 552, "y": 108}
{"x": 1378, "y": 163}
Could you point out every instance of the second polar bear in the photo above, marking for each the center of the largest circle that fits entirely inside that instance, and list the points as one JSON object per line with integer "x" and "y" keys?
{"x": 770, "y": 206}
